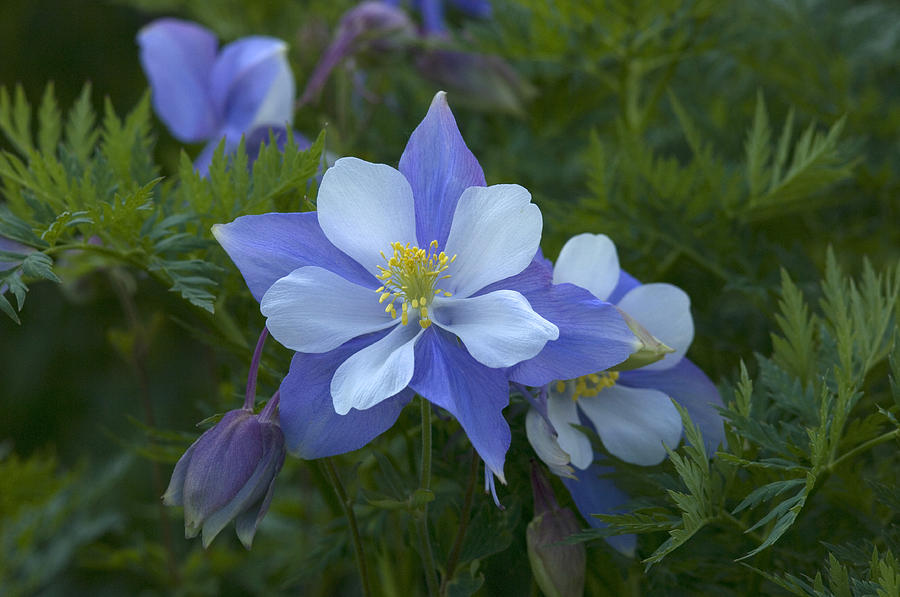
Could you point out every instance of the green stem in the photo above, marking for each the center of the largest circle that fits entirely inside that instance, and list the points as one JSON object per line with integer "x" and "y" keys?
{"x": 863, "y": 447}
{"x": 138, "y": 360}
{"x": 453, "y": 558}
{"x": 421, "y": 517}
{"x": 338, "y": 487}
{"x": 729, "y": 517}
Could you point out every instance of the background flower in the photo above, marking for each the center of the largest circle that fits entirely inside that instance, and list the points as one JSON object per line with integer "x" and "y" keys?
{"x": 631, "y": 411}
{"x": 202, "y": 93}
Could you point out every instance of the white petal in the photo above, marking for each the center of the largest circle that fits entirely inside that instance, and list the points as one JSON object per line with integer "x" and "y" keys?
{"x": 634, "y": 423}
{"x": 315, "y": 310}
{"x": 499, "y": 329}
{"x": 376, "y": 372}
{"x": 545, "y": 445}
{"x": 363, "y": 208}
{"x": 277, "y": 109}
{"x": 589, "y": 261}
{"x": 495, "y": 233}
{"x": 665, "y": 311}
{"x": 563, "y": 411}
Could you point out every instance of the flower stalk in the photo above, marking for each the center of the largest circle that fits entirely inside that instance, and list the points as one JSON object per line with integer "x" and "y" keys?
{"x": 453, "y": 558}
{"x": 358, "y": 552}
{"x": 421, "y": 517}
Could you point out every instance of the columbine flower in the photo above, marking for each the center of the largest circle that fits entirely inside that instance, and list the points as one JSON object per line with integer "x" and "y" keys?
{"x": 203, "y": 94}
{"x": 631, "y": 411}
{"x": 229, "y": 472}
{"x": 418, "y": 280}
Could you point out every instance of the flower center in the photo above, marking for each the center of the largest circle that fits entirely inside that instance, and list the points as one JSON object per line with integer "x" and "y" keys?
{"x": 588, "y": 386}
{"x": 410, "y": 277}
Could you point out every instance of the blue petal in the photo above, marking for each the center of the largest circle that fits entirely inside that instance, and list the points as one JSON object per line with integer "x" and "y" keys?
{"x": 692, "y": 389}
{"x": 432, "y": 15}
{"x": 12, "y": 246}
{"x": 439, "y": 167}
{"x": 178, "y": 57}
{"x": 312, "y": 428}
{"x": 626, "y": 283}
{"x": 474, "y": 8}
{"x": 592, "y": 336}
{"x": 252, "y": 84}
{"x": 270, "y": 246}
{"x": 476, "y": 395}
{"x": 595, "y": 494}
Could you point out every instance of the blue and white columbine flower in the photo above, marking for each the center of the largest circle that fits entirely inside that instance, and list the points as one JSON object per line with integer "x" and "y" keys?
{"x": 418, "y": 280}
{"x": 203, "y": 94}
{"x": 631, "y": 411}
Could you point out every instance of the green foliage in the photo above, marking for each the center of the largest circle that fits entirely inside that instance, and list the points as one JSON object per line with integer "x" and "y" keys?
{"x": 99, "y": 191}
{"x": 47, "y": 517}
{"x": 797, "y": 434}
{"x": 745, "y": 151}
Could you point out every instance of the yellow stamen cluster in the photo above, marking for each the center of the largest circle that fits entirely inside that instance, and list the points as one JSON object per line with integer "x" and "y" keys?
{"x": 410, "y": 277}
{"x": 588, "y": 386}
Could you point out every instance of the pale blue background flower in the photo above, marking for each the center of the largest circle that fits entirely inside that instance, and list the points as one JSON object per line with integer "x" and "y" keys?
{"x": 202, "y": 93}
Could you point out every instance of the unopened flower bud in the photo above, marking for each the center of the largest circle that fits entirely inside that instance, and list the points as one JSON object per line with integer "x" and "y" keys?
{"x": 369, "y": 26}
{"x": 649, "y": 348}
{"x": 229, "y": 474}
{"x": 558, "y": 568}
{"x": 482, "y": 81}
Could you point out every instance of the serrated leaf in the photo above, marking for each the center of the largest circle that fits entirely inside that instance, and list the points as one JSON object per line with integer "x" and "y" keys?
{"x": 15, "y": 119}
{"x": 49, "y": 122}
{"x": 39, "y": 265}
{"x": 757, "y": 149}
{"x": 8, "y": 309}
{"x": 795, "y": 349}
{"x": 80, "y": 133}
{"x": 767, "y": 492}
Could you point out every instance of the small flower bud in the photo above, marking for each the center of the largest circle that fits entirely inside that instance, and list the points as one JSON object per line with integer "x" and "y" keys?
{"x": 482, "y": 81}
{"x": 649, "y": 348}
{"x": 558, "y": 568}
{"x": 374, "y": 26}
{"x": 228, "y": 474}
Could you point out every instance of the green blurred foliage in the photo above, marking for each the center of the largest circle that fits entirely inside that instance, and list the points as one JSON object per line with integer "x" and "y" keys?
{"x": 724, "y": 147}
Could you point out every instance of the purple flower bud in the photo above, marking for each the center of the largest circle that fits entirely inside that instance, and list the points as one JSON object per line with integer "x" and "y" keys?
{"x": 558, "y": 568}
{"x": 482, "y": 81}
{"x": 229, "y": 474}
{"x": 370, "y": 25}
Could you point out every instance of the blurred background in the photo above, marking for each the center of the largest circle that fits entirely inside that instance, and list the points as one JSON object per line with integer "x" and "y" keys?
{"x": 629, "y": 118}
